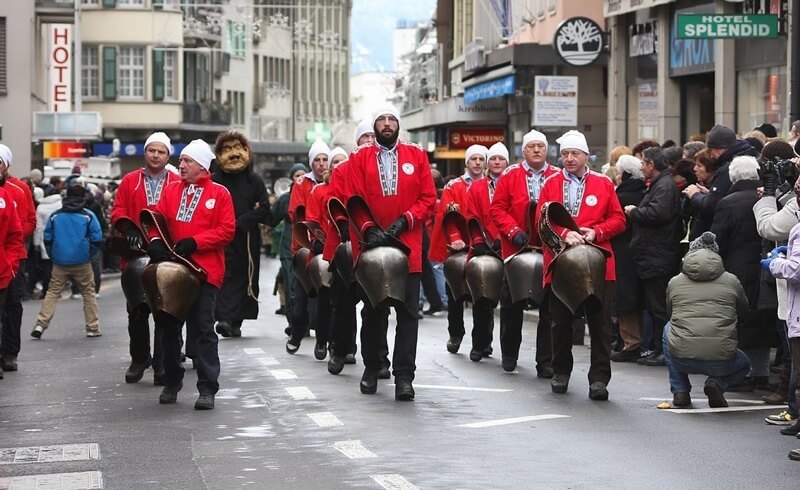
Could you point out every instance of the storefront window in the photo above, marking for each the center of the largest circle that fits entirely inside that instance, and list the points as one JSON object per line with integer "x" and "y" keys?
{"x": 761, "y": 97}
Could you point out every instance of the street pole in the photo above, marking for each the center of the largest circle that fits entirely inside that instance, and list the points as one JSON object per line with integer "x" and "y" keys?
{"x": 794, "y": 62}
{"x": 77, "y": 56}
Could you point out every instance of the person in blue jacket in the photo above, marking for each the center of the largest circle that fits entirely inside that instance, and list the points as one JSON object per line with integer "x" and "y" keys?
{"x": 72, "y": 236}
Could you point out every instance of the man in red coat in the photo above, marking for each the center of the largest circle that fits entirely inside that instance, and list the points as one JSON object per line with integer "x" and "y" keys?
{"x": 518, "y": 187}
{"x": 11, "y": 246}
{"x": 201, "y": 221}
{"x": 591, "y": 201}
{"x": 446, "y": 239}
{"x": 479, "y": 201}
{"x": 22, "y": 198}
{"x": 142, "y": 189}
{"x": 394, "y": 178}
{"x": 318, "y": 156}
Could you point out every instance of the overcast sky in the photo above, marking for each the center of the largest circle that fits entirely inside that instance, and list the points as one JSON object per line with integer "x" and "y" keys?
{"x": 372, "y": 23}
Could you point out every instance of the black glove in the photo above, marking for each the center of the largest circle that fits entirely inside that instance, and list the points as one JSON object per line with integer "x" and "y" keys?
{"x": 769, "y": 177}
{"x": 158, "y": 251}
{"x": 398, "y": 226}
{"x": 134, "y": 242}
{"x": 375, "y": 237}
{"x": 344, "y": 230}
{"x": 496, "y": 245}
{"x": 479, "y": 249}
{"x": 317, "y": 247}
{"x": 186, "y": 247}
{"x": 520, "y": 239}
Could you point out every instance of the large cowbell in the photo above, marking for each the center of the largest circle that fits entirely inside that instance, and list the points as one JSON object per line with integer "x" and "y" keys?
{"x": 319, "y": 272}
{"x": 485, "y": 279}
{"x": 131, "y": 279}
{"x": 171, "y": 288}
{"x": 578, "y": 272}
{"x": 300, "y": 269}
{"x": 524, "y": 273}
{"x": 455, "y": 266}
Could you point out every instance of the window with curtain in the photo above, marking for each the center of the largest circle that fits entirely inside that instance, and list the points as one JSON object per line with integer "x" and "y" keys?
{"x": 90, "y": 72}
{"x": 130, "y": 80}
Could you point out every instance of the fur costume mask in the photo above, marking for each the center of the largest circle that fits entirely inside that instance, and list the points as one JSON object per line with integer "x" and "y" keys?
{"x": 233, "y": 156}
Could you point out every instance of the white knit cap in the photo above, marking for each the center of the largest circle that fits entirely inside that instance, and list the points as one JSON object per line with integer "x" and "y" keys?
{"x": 337, "y": 151}
{"x": 498, "y": 149}
{"x": 6, "y": 155}
{"x": 171, "y": 168}
{"x": 318, "y": 148}
{"x": 630, "y": 164}
{"x": 363, "y": 128}
{"x": 385, "y": 109}
{"x": 159, "y": 137}
{"x": 534, "y": 135}
{"x": 200, "y": 152}
{"x": 573, "y": 140}
{"x": 475, "y": 150}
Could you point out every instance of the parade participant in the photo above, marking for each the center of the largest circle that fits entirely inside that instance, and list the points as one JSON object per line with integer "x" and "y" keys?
{"x": 394, "y": 180}
{"x": 142, "y": 189}
{"x": 517, "y": 190}
{"x": 446, "y": 240}
{"x": 12, "y": 247}
{"x": 479, "y": 200}
{"x": 201, "y": 222}
{"x": 72, "y": 236}
{"x": 298, "y": 204}
{"x": 21, "y": 196}
{"x": 238, "y": 298}
{"x": 590, "y": 200}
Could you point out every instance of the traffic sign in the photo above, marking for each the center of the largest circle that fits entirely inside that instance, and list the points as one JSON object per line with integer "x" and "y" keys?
{"x": 727, "y": 26}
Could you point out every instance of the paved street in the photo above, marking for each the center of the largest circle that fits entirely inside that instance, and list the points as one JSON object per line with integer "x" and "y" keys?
{"x": 283, "y": 422}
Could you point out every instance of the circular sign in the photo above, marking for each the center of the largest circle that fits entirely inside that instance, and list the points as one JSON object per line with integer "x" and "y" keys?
{"x": 578, "y": 41}
{"x": 210, "y": 203}
{"x": 130, "y": 150}
{"x": 591, "y": 200}
{"x": 408, "y": 168}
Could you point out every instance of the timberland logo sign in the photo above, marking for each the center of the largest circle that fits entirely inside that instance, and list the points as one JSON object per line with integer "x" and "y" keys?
{"x": 727, "y": 26}
{"x": 578, "y": 41}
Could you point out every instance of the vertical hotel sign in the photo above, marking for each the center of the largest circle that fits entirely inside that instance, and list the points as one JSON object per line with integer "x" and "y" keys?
{"x": 59, "y": 47}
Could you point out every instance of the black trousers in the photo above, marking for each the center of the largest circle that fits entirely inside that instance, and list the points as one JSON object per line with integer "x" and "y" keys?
{"x": 2, "y": 305}
{"x": 482, "y": 321}
{"x": 323, "y": 319}
{"x": 12, "y": 313}
{"x": 511, "y": 327}
{"x": 598, "y": 316}
{"x": 200, "y": 332}
{"x": 655, "y": 296}
{"x": 139, "y": 333}
{"x": 300, "y": 320}
{"x": 428, "y": 278}
{"x": 375, "y": 326}
{"x": 343, "y": 324}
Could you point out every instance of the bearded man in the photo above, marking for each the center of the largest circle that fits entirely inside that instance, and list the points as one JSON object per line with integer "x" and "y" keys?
{"x": 238, "y": 298}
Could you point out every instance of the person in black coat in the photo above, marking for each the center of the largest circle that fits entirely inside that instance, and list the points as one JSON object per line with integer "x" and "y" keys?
{"x": 740, "y": 247}
{"x": 657, "y": 230}
{"x": 238, "y": 298}
{"x": 628, "y": 297}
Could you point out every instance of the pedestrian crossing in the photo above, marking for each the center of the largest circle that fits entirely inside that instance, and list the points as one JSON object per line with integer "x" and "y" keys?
{"x": 57, "y": 453}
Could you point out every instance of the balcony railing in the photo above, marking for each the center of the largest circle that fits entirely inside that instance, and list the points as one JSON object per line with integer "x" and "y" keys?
{"x": 206, "y": 113}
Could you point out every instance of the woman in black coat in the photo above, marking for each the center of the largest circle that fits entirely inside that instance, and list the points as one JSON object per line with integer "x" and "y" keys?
{"x": 628, "y": 301}
{"x": 739, "y": 243}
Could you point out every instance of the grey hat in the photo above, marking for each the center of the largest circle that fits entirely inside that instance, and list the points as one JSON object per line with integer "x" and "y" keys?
{"x": 721, "y": 136}
{"x": 296, "y": 167}
{"x": 706, "y": 240}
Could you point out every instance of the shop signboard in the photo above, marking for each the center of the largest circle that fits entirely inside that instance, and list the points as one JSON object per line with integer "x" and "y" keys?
{"x": 65, "y": 149}
{"x": 578, "y": 41}
{"x": 59, "y": 94}
{"x": 555, "y": 101}
{"x": 463, "y": 138}
{"x": 491, "y": 89}
{"x": 727, "y": 26}
{"x": 648, "y": 109}
{"x": 690, "y": 56}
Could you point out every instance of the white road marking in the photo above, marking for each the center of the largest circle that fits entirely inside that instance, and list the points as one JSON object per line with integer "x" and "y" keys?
{"x": 721, "y": 409}
{"x": 283, "y": 374}
{"x": 353, "y": 449}
{"x": 515, "y": 420}
{"x": 735, "y": 400}
{"x": 461, "y": 388}
{"x": 393, "y": 481}
{"x": 268, "y": 361}
{"x": 49, "y": 454}
{"x": 87, "y": 480}
{"x": 253, "y": 350}
{"x": 300, "y": 393}
{"x": 325, "y": 419}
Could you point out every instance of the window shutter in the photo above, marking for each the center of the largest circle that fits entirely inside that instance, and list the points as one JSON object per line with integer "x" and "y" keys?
{"x": 109, "y": 4}
{"x": 109, "y": 72}
{"x": 158, "y": 74}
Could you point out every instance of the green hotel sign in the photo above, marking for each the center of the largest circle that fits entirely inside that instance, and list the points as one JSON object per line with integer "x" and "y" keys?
{"x": 727, "y": 26}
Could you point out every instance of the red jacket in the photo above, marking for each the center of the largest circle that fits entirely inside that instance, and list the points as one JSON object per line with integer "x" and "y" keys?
{"x": 11, "y": 241}
{"x": 131, "y": 197}
{"x": 454, "y": 196}
{"x": 21, "y": 194}
{"x": 599, "y": 209}
{"x": 510, "y": 206}
{"x": 478, "y": 203}
{"x": 317, "y": 211}
{"x": 212, "y": 224}
{"x": 414, "y": 197}
{"x": 298, "y": 198}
